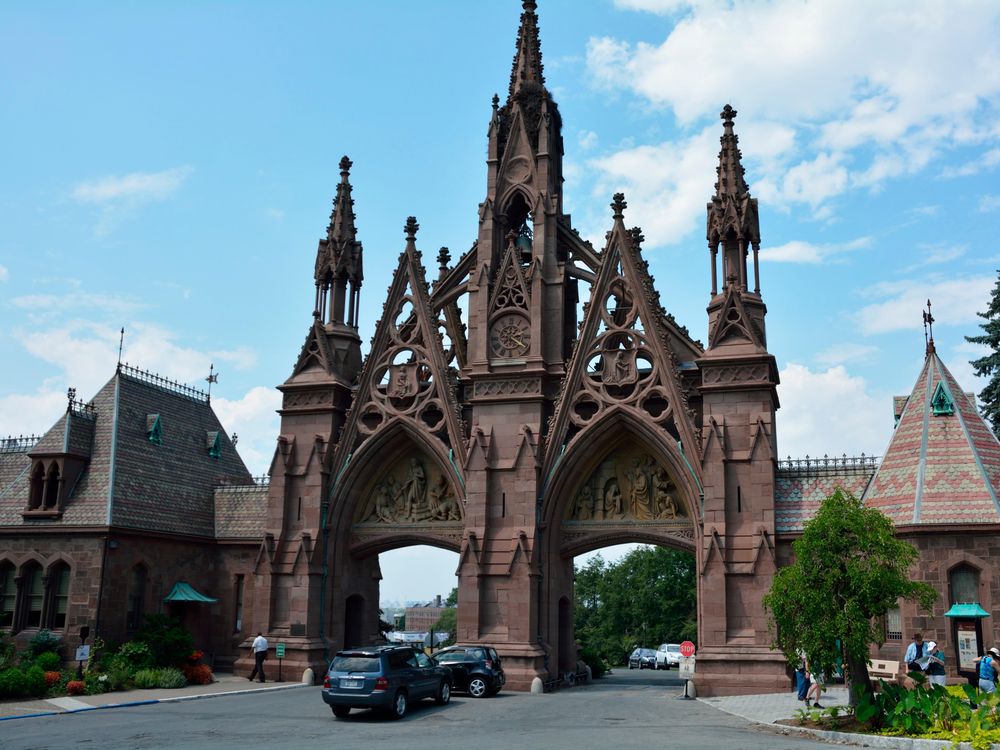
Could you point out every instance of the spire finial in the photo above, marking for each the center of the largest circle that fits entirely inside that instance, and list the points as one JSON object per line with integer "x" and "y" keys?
{"x": 619, "y": 205}
{"x": 528, "y": 55}
{"x": 345, "y": 166}
{"x": 342, "y": 227}
{"x": 411, "y": 228}
{"x": 121, "y": 343}
{"x": 928, "y": 330}
{"x": 213, "y": 377}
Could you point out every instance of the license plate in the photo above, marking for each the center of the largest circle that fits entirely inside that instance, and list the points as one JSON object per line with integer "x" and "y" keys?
{"x": 346, "y": 682}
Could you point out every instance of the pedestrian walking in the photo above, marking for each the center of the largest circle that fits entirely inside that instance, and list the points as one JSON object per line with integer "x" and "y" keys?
{"x": 815, "y": 687}
{"x": 259, "y": 655}
{"x": 986, "y": 668}
{"x": 935, "y": 664}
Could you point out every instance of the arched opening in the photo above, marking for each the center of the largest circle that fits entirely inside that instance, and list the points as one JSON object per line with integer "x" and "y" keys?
{"x": 52, "y": 487}
{"x": 136, "y": 598}
{"x": 354, "y": 621}
{"x": 635, "y": 597}
{"x": 32, "y": 596}
{"x": 418, "y": 595}
{"x": 36, "y": 486}
{"x": 963, "y": 584}
{"x": 8, "y": 594}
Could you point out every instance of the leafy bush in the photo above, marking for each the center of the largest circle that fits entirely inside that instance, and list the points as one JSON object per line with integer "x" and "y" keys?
{"x": 75, "y": 687}
{"x": 592, "y": 659}
{"x": 135, "y": 654}
{"x": 34, "y": 682}
{"x": 48, "y": 661}
{"x": 172, "y": 678}
{"x": 120, "y": 675}
{"x": 198, "y": 674}
{"x": 8, "y": 651}
{"x": 168, "y": 642}
{"x": 168, "y": 678}
{"x": 44, "y": 641}
{"x": 12, "y": 683}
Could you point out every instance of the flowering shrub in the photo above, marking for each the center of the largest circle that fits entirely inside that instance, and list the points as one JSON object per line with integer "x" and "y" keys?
{"x": 198, "y": 674}
{"x": 52, "y": 678}
{"x": 195, "y": 656}
{"x": 75, "y": 687}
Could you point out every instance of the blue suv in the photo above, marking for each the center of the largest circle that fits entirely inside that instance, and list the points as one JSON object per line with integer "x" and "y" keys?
{"x": 385, "y": 678}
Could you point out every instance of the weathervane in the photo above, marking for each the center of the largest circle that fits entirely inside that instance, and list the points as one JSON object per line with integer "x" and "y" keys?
{"x": 928, "y": 326}
{"x": 213, "y": 377}
{"x": 121, "y": 343}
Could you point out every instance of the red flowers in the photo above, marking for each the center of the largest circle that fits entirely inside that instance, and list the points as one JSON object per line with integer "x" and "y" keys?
{"x": 75, "y": 687}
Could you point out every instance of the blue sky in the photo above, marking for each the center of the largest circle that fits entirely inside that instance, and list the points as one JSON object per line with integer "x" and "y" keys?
{"x": 168, "y": 167}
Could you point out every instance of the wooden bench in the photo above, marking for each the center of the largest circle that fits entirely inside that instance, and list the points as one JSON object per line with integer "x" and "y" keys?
{"x": 880, "y": 669}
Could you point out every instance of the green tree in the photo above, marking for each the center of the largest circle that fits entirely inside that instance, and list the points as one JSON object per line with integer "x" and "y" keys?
{"x": 849, "y": 570}
{"x": 452, "y": 600}
{"x": 447, "y": 623}
{"x": 646, "y": 598}
{"x": 989, "y": 364}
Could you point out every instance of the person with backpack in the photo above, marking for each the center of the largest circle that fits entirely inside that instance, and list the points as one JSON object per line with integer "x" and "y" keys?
{"x": 986, "y": 668}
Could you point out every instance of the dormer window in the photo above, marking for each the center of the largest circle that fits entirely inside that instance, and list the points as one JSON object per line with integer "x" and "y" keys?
{"x": 941, "y": 402}
{"x": 153, "y": 429}
{"x": 213, "y": 442}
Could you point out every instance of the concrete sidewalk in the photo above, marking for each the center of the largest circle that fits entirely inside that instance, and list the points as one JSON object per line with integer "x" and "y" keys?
{"x": 225, "y": 684}
{"x": 773, "y": 707}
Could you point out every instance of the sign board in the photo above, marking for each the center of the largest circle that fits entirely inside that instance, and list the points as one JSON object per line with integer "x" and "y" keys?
{"x": 968, "y": 645}
{"x": 687, "y": 648}
{"x": 686, "y": 668}
{"x": 82, "y": 653}
{"x": 279, "y": 650}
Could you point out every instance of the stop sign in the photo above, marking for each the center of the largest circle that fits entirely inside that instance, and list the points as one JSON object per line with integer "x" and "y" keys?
{"x": 687, "y": 648}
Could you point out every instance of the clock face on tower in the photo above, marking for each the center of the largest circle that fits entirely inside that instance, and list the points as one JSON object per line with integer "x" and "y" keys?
{"x": 510, "y": 336}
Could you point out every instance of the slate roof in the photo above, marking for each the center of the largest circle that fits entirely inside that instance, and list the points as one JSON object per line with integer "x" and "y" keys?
{"x": 800, "y": 487}
{"x": 240, "y": 511}
{"x": 129, "y": 481}
{"x": 939, "y": 468}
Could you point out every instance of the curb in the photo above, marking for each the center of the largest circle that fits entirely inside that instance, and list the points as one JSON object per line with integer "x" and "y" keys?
{"x": 153, "y": 701}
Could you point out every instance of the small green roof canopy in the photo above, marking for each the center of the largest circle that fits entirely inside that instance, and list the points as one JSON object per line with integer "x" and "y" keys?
{"x": 966, "y": 610}
{"x": 183, "y": 592}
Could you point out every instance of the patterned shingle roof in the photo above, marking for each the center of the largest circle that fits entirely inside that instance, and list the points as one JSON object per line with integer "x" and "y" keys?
{"x": 167, "y": 487}
{"x": 943, "y": 462}
{"x": 240, "y": 511}
{"x": 800, "y": 487}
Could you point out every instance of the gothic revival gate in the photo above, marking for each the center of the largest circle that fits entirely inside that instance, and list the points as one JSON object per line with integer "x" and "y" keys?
{"x": 519, "y": 435}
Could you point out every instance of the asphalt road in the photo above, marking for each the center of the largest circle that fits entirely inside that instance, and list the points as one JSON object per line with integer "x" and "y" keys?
{"x": 628, "y": 709}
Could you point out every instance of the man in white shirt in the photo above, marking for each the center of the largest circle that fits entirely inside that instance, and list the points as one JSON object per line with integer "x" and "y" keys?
{"x": 259, "y": 654}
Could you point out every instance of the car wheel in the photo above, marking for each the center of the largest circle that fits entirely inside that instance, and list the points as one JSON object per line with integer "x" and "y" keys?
{"x": 398, "y": 710}
{"x": 444, "y": 693}
{"x": 478, "y": 687}
{"x": 340, "y": 711}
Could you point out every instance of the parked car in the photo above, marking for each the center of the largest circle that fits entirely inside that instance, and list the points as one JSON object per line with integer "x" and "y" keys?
{"x": 385, "y": 678}
{"x": 475, "y": 669}
{"x": 668, "y": 655}
{"x": 642, "y": 658}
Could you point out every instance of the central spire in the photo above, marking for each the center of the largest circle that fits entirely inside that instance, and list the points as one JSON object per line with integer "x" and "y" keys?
{"x": 528, "y": 57}
{"x": 730, "y": 172}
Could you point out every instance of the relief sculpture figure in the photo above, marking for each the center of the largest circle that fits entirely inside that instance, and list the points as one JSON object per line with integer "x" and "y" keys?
{"x": 585, "y": 504}
{"x": 639, "y": 496}
{"x": 666, "y": 504}
{"x": 613, "y": 500}
{"x": 415, "y": 492}
{"x": 442, "y": 505}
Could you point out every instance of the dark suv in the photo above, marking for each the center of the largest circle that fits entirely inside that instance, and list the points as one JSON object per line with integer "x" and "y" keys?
{"x": 385, "y": 678}
{"x": 474, "y": 669}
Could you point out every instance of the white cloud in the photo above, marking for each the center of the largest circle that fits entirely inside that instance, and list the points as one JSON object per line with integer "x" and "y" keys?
{"x": 587, "y": 139}
{"x": 137, "y": 185}
{"x": 275, "y": 214}
{"x": 254, "y": 418}
{"x": 4, "y": 273}
{"x": 938, "y": 254}
{"x": 839, "y": 354}
{"x": 118, "y": 196}
{"x": 830, "y": 413}
{"x": 865, "y": 100}
{"x": 954, "y": 302}
{"x": 32, "y": 413}
{"x": 989, "y": 203}
{"x": 987, "y": 161}
{"x": 44, "y": 306}
{"x": 798, "y": 251}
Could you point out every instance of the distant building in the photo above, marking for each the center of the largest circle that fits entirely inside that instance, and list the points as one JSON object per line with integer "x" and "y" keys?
{"x": 423, "y": 617}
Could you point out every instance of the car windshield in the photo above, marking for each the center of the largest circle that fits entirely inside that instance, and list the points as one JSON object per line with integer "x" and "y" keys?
{"x": 674, "y": 648}
{"x": 355, "y": 663}
{"x": 454, "y": 656}
{"x": 647, "y": 652}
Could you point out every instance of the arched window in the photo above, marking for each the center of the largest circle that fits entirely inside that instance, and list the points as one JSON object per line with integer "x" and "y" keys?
{"x": 52, "y": 487}
{"x": 8, "y": 594}
{"x": 136, "y": 598}
{"x": 58, "y": 591}
{"x": 36, "y": 485}
{"x": 963, "y": 584}
{"x": 32, "y": 596}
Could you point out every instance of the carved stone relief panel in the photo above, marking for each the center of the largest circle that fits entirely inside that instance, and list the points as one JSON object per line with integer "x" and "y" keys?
{"x": 631, "y": 486}
{"x": 410, "y": 491}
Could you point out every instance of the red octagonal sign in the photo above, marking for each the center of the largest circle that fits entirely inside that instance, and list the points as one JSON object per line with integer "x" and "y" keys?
{"x": 687, "y": 648}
